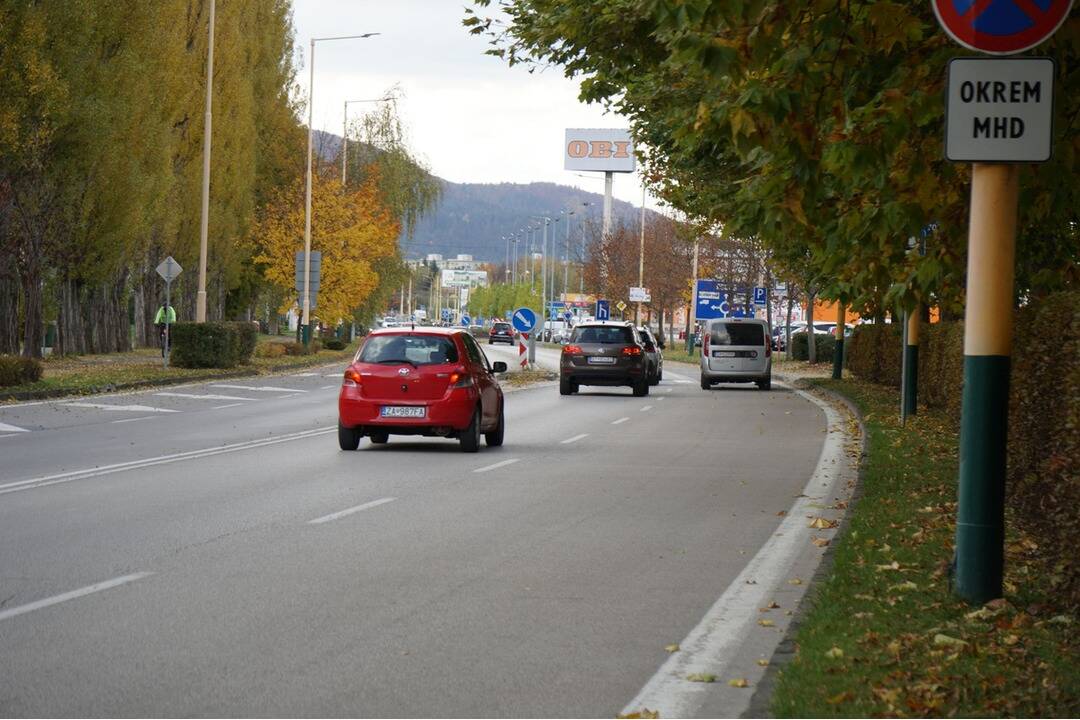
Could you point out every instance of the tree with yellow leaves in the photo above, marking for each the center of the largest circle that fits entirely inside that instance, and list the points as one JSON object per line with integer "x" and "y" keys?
{"x": 352, "y": 229}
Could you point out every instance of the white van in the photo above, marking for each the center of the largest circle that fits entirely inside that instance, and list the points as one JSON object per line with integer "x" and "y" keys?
{"x": 736, "y": 350}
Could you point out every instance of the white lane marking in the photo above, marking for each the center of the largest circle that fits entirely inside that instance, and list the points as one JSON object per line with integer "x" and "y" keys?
{"x": 334, "y": 375}
{"x": 47, "y": 480}
{"x": 569, "y": 440}
{"x": 64, "y": 597}
{"x": 504, "y": 463}
{"x": 127, "y": 420}
{"x": 120, "y": 408}
{"x": 9, "y": 435}
{"x": 727, "y": 624}
{"x": 262, "y": 388}
{"x": 306, "y": 375}
{"x": 195, "y": 396}
{"x": 645, "y": 408}
{"x": 4, "y": 427}
{"x": 222, "y": 407}
{"x": 684, "y": 382}
{"x": 667, "y": 389}
{"x": 660, "y": 399}
{"x": 350, "y": 511}
{"x": 327, "y": 387}
{"x": 619, "y": 421}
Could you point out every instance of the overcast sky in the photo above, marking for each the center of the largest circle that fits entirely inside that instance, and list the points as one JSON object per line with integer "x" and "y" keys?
{"x": 470, "y": 116}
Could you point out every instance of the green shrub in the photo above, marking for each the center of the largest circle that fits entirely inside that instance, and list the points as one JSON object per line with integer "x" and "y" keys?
{"x": 211, "y": 344}
{"x": 873, "y": 352}
{"x": 270, "y": 350}
{"x": 297, "y": 348}
{"x": 334, "y": 344}
{"x": 16, "y": 370}
{"x": 824, "y": 346}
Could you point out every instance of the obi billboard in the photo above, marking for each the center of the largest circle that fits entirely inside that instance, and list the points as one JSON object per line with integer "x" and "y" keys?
{"x": 598, "y": 149}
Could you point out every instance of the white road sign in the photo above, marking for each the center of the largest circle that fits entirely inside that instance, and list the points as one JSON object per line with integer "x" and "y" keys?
{"x": 169, "y": 269}
{"x": 640, "y": 294}
{"x": 999, "y": 109}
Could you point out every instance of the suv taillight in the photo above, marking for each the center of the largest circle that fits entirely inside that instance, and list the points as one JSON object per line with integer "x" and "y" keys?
{"x": 631, "y": 350}
{"x": 571, "y": 350}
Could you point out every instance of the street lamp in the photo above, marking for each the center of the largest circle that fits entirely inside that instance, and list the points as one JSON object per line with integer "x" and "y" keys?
{"x": 306, "y": 320}
{"x": 204, "y": 223}
{"x": 345, "y": 131}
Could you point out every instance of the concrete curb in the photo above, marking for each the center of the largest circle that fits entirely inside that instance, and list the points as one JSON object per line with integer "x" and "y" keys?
{"x": 15, "y": 397}
{"x": 787, "y": 649}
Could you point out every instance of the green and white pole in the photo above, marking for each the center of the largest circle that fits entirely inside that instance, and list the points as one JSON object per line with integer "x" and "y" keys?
{"x": 980, "y": 522}
{"x": 838, "y": 352}
{"x": 911, "y": 363}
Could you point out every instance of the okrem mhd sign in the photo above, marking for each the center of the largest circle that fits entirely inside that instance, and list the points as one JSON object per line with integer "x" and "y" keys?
{"x": 999, "y": 110}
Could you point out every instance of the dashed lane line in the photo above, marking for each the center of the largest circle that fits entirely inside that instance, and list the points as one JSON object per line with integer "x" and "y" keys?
{"x": 645, "y": 408}
{"x": 660, "y": 399}
{"x": 120, "y": 408}
{"x": 306, "y": 375}
{"x": 574, "y": 439}
{"x": 327, "y": 387}
{"x": 5, "y": 428}
{"x": 259, "y": 388}
{"x": 620, "y": 421}
{"x": 64, "y": 597}
{"x": 127, "y": 420}
{"x": 497, "y": 465}
{"x": 222, "y": 407}
{"x": 349, "y": 511}
{"x": 195, "y": 396}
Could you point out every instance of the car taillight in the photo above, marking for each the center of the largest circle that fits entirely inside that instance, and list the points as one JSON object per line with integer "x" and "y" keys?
{"x": 631, "y": 350}
{"x": 460, "y": 379}
{"x": 571, "y": 350}
{"x": 352, "y": 378}
{"x": 705, "y": 345}
{"x": 768, "y": 349}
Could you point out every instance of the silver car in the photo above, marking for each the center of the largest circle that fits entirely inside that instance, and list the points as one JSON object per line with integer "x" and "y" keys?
{"x": 736, "y": 350}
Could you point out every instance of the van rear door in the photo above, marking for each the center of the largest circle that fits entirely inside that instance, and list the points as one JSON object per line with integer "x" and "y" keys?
{"x": 737, "y": 347}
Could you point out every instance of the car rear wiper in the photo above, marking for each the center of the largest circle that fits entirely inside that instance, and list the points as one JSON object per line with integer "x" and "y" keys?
{"x": 397, "y": 361}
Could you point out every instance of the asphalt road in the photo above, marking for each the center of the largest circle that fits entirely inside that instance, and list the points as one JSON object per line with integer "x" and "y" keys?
{"x": 207, "y": 550}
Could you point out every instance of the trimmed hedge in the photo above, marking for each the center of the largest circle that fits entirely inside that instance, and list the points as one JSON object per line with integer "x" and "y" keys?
{"x": 212, "y": 344}
{"x": 824, "y": 347}
{"x": 270, "y": 350}
{"x": 334, "y": 344}
{"x": 1044, "y": 413}
{"x": 873, "y": 352}
{"x": 16, "y": 370}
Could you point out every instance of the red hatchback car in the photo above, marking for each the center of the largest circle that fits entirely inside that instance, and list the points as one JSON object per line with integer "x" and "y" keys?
{"x": 421, "y": 381}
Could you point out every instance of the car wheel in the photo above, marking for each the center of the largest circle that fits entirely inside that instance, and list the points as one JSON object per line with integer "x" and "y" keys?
{"x": 566, "y": 386}
{"x": 348, "y": 438}
{"x": 659, "y": 376}
{"x": 765, "y": 384}
{"x": 380, "y": 438}
{"x": 641, "y": 389}
{"x": 470, "y": 436}
{"x": 495, "y": 437}
{"x": 654, "y": 379}
{"x": 705, "y": 384}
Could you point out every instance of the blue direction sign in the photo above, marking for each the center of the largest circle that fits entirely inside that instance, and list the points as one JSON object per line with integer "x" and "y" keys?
{"x": 760, "y": 296}
{"x": 466, "y": 320}
{"x": 524, "y": 320}
{"x": 568, "y": 317}
{"x": 710, "y": 302}
{"x": 1001, "y": 27}
{"x": 603, "y": 309}
{"x": 445, "y": 313}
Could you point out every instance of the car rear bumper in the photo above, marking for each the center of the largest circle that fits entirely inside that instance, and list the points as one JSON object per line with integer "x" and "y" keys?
{"x": 585, "y": 375}
{"x": 450, "y": 414}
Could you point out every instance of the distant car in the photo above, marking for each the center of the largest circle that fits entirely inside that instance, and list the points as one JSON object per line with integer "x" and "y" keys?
{"x": 431, "y": 382}
{"x": 654, "y": 355}
{"x": 736, "y": 350}
{"x": 603, "y": 353}
{"x": 501, "y": 332}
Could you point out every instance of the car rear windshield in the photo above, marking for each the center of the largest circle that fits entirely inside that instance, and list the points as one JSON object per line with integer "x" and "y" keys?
{"x": 409, "y": 349}
{"x": 737, "y": 334}
{"x": 500, "y": 326}
{"x": 603, "y": 335}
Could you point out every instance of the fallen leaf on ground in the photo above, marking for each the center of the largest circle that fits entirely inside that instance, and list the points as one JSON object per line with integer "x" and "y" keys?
{"x": 739, "y": 683}
{"x": 701, "y": 677}
{"x": 834, "y": 653}
{"x": 891, "y": 566}
{"x": 840, "y": 698}
{"x": 643, "y": 713}
{"x": 821, "y": 523}
{"x": 942, "y": 640}
{"x": 794, "y": 581}
{"x": 820, "y": 542}
{"x": 904, "y": 586}
{"x": 673, "y": 647}
{"x": 766, "y": 623}
{"x": 763, "y": 663}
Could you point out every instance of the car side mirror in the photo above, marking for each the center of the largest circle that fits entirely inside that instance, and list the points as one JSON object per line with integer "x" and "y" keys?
{"x": 498, "y": 367}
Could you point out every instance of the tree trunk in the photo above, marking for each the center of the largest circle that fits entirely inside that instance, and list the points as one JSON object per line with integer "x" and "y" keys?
{"x": 9, "y": 312}
{"x": 787, "y": 330}
{"x": 33, "y": 330}
{"x": 810, "y": 340}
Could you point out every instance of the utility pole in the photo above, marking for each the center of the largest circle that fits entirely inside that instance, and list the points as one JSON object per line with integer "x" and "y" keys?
{"x": 204, "y": 223}
{"x": 641, "y": 257}
{"x": 691, "y": 325}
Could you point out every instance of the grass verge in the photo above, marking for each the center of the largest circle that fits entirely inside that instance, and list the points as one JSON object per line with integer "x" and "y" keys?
{"x": 88, "y": 374}
{"x": 884, "y": 636}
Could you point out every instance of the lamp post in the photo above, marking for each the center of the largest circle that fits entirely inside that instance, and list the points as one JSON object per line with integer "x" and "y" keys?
{"x": 345, "y": 132}
{"x": 641, "y": 257}
{"x": 204, "y": 223}
{"x": 306, "y": 319}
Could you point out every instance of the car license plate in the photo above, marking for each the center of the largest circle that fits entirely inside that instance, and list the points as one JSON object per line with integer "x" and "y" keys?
{"x": 724, "y": 353}
{"x": 601, "y": 360}
{"x": 404, "y": 411}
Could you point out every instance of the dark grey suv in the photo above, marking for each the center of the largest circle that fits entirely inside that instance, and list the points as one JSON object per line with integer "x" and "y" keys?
{"x": 603, "y": 353}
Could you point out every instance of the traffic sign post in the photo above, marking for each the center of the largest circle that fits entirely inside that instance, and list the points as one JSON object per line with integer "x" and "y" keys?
{"x": 308, "y": 268}
{"x": 466, "y": 320}
{"x": 524, "y": 320}
{"x": 1000, "y": 102}
{"x": 603, "y": 310}
{"x": 760, "y": 296}
{"x": 169, "y": 270}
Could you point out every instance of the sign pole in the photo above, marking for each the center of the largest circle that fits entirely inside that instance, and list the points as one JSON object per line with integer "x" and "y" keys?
{"x": 691, "y": 325}
{"x": 911, "y": 363}
{"x": 980, "y": 527}
{"x": 165, "y": 355}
